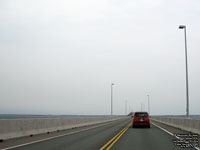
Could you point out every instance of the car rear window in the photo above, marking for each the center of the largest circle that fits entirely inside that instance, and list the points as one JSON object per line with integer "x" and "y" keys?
{"x": 141, "y": 114}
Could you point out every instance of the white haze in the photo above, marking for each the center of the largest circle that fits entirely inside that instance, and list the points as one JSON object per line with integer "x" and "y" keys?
{"x": 61, "y": 56}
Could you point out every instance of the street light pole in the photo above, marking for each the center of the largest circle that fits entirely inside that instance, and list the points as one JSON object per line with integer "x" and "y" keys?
{"x": 112, "y": 98}
{"x": 142, "y": 107}
{"x": 126, "y": 107}
{"x": 148, "y": 104}
{"x": 186, "y": 65}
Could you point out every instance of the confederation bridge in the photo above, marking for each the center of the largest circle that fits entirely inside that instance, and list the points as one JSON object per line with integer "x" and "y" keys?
{"x": 102, "y": 132}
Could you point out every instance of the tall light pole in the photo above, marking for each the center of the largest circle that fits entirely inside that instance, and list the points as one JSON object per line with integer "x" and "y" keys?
{"x": 142, "y": 107}
{"x": 126, "y": 107}
{"x": 186, "y": 65}
{"x": 148, "y": 104}
{"x": 112, "y": 98}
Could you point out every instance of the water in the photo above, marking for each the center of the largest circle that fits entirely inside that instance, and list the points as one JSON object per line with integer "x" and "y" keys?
{"x": 25, "y": 116}
{"x": 180, "y": 116}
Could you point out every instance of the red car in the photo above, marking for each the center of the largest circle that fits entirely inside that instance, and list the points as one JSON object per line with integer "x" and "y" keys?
{"x": 141, "y": 119}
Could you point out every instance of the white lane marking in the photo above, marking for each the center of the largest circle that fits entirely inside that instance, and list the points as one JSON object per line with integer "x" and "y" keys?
{"x": 169, "y": 132}
{"x": 54, "y": 137}
{"x": 163, "y": 129}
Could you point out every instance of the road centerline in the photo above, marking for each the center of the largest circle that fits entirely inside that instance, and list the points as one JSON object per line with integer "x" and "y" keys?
{"x": 115, "y": 138}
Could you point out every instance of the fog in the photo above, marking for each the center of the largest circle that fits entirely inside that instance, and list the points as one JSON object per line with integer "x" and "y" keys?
{"x": 60, "y": 57}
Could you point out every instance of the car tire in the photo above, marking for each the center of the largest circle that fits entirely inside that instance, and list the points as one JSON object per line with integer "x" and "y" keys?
{"x": 133, "y": 126}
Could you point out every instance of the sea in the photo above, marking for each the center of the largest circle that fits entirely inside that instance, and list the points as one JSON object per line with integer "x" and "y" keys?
{"x": 28, "y": 116}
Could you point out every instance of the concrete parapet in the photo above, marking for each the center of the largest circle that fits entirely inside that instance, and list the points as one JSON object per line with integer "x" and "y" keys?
{"x": 187, "y": 124}
{"x": 13, "y": 128}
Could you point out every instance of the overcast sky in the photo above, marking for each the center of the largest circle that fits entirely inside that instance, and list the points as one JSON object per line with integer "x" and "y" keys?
{"x": 61, "y": 56}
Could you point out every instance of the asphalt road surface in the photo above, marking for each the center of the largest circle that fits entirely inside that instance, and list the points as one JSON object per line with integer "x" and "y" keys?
{"x": 118, "y": 135}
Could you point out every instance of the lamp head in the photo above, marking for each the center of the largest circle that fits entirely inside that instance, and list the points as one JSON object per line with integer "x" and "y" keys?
{"x": 182, "y": 27}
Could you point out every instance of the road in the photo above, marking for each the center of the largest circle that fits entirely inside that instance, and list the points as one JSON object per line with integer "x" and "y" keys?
{"x": 127, "y": 138}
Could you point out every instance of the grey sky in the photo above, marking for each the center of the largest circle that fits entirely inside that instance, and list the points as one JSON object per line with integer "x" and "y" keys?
{"x": 60, "y": 57}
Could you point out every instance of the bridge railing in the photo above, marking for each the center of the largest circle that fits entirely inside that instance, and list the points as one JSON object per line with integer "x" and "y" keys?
{"x": 187, "y": 124}
{"x": 13, "y": 128}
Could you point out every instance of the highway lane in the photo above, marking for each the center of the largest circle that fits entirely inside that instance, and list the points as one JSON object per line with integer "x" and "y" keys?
{"x": 127, "y": 138}
{"x": 86, "y": 140}
{"x": 146, "y": 139}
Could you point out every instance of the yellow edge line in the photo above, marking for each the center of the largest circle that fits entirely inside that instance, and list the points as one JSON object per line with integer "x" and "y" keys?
{"x": 125, "y": 128}
{"x": 118, "y": 138}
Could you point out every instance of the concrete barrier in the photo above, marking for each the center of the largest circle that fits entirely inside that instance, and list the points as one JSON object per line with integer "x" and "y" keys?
{"x": 187, "y": 124}
{"x": 13, "y": 128}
